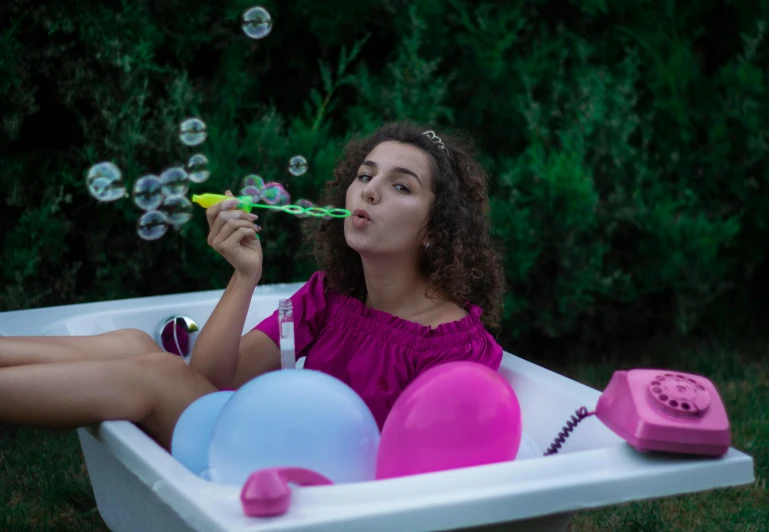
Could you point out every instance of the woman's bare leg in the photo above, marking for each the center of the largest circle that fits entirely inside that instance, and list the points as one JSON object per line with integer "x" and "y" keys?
{"x": 23, "y": 350}
{"x": 151, "y": 390}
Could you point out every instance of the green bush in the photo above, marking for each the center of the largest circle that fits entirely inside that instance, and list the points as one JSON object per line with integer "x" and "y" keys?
{"x": 625, "y": 140}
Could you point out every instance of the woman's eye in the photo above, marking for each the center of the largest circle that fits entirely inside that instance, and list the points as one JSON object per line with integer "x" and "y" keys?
{"x": 364, "y": 177}
{"x": 403, "y": 188}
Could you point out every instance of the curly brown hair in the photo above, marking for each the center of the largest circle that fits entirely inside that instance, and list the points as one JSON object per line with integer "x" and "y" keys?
{"x": 462, "y": 262}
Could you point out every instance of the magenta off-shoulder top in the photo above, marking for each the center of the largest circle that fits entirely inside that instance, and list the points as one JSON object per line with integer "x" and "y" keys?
{"x": 375, "y": 353}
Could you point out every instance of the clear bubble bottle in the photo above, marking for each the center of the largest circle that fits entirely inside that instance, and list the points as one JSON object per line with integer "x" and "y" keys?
{"x": 286, "y": 325}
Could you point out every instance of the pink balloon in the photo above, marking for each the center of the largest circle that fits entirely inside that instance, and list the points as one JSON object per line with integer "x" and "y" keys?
{"x": 457, "y": 414}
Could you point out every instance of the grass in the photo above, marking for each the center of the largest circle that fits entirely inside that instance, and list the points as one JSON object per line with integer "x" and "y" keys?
{"x": 44, "y": 484}
{"x": 742, "y": 378}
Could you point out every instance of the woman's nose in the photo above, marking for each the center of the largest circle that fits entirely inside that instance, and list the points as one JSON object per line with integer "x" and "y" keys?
{"x": 370, "y": 192}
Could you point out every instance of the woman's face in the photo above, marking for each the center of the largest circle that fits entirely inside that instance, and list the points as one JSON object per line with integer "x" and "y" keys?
{"x": 390, "y": 200}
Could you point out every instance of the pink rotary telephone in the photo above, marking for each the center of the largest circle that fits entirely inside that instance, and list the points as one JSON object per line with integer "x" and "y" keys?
{"x": 660, "y": 410}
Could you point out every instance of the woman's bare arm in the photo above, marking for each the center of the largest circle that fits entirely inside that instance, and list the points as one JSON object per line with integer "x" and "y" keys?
{"x": 217, "y": 349}
{"x": 258, "y": 354}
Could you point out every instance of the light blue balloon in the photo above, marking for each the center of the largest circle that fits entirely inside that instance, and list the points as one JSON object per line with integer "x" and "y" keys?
{"x": 295, "y": 418}
{"x": 192, "y": 433}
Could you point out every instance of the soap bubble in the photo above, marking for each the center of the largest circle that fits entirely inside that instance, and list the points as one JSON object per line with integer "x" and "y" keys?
{"x": 175, "y": 181}
{"x": 152, "y": 225}
{"x": 253, "y": 185}
{"x": 297, "y": 165}
{"x": 253, "y": 180}
{"x": 105, "y": 182}
{"x": 192, "y": 132}
{"x": 105, "y": 169}
{"x": 306, "y": 204}
{"x": 197, "y": 168}
{"x": 284, "y": 198}
{"x": 148, "y": 193}
{"x": 273, "y": 193}
{"x": 103, "y": 189}
{"x": 177, "y": 210}
{"x": 254, "y": 193}
{"x": 328, "y": 208}
{"x": 257, "y": 23}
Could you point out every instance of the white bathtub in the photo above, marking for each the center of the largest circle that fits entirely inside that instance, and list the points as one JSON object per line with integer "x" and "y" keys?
{"x": 140, "y": 487}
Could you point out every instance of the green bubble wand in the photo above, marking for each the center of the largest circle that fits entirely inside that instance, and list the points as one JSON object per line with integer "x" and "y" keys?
{"x": 246, "y": 203}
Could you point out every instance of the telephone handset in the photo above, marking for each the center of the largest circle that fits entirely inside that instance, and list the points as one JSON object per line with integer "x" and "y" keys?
{"x": 660, "y": 410}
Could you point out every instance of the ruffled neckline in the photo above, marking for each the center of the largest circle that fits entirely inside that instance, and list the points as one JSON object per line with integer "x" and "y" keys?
{"x": 355, "y": 309}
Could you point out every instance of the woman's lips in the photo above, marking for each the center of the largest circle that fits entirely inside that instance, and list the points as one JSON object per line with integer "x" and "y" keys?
{"x": 360, "y": 222}
{"x": 360, "y": 218}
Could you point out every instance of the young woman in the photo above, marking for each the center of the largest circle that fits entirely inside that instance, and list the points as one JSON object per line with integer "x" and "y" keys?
{"x": 409, "y": 281}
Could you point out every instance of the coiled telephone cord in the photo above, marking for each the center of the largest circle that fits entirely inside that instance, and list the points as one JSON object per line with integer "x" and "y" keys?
{"x": 566, "y": 430}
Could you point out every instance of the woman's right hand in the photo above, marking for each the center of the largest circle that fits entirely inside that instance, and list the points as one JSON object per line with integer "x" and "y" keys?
{"x": 233, "y": 234}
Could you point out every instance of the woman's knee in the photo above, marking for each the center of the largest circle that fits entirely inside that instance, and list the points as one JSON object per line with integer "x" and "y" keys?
{"x": 168, "y": 368}
{"x": 174, "y": 386}
{"x": 162, "y": 364}
{"x": 133, "y": 341}
{"x": 166, "y": 376}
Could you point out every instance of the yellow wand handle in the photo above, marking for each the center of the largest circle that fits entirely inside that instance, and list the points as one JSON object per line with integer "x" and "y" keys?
{"x": 208, "y": 200}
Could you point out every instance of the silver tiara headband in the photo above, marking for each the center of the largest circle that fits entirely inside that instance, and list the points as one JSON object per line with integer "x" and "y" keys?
{"x": 437, "y": 140}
